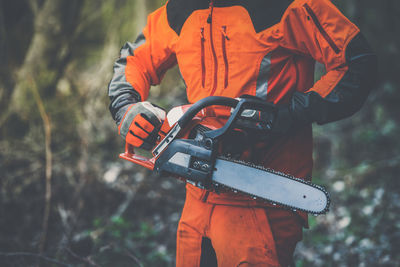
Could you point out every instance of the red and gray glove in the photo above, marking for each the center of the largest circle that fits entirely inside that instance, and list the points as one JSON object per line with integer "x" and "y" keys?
{"x": 141, "y": 124}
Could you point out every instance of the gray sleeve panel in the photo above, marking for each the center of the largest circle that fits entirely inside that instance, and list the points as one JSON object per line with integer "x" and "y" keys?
{"x": 349, "y": 94}
{"x": 120, "y": 91}
{"x": 263, "y": 75}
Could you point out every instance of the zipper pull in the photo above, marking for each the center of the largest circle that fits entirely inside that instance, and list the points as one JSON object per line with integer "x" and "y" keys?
{"x": 224, "y": 33}
{"x": 211, "y": 6}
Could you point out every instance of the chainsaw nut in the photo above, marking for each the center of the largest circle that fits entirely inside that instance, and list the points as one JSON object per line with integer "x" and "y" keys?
{"x": 208, "y": 143}
{"x": 196, "y": 165}
{"x": 205, "y": 167}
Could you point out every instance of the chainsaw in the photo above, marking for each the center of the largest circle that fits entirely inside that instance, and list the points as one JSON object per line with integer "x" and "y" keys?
{"x": 198, "y": 161}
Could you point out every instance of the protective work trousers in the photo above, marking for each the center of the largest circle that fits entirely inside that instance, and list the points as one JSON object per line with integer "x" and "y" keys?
{"x": 229, "y": 235}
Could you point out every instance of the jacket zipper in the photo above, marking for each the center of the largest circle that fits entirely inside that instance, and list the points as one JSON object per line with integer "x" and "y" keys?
{"x": 321, "y": 29}
{"x": 209, "y": 21}
{"x": 224, "y": 39}
{"x": 203, "y": 65}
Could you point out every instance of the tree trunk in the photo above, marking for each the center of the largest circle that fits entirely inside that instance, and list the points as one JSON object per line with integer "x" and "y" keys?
{"x": 48, "y": 50}
{"x": 141, "y": 15}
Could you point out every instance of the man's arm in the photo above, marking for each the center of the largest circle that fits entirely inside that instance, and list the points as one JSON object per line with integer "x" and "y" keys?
{"x": 317, "y": 28}
{"x": 140, "y": 65}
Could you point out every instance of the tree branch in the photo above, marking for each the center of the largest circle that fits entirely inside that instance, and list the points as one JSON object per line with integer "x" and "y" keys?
{"x": 86, "y": 260}
{"x": 47, "y": 130}
{"x": 133, "y": 257}
{"x": 34, "y": 6}
{"x": 28, "y": 254}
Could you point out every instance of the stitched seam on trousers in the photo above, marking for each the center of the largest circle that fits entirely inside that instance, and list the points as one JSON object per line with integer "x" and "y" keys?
{"x": 179, "y": 249}
{"x": 191, "y": 227}
{"x": 207, "y": 228}
{"x": 270, "y": 229}
{"x": 198, "y": 260}
{"x": 257, "y": 225}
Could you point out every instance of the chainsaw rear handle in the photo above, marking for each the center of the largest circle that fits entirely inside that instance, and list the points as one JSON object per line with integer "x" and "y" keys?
{"x": 203, "y": 103}
{"x": 246, "y": 102}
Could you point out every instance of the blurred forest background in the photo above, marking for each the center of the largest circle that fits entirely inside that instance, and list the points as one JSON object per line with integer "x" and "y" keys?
{"x": 67, "y": 200}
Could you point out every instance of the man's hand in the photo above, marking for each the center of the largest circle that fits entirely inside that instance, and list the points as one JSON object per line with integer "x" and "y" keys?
{"x": 274, "y": 119}
{"x": 141, "y": 124}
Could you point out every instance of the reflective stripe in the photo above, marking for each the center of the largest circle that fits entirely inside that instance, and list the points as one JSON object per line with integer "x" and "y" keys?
{"x": 263, "y": 75}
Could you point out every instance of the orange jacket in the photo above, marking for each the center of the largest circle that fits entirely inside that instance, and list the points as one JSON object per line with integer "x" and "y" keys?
{"x": 266, "y": 48}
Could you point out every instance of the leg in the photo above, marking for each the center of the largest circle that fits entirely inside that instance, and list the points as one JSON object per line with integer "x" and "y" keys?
{"x": 191, "y": 230}
{"x": 241, "y": 236}
{"x": 188, "y": 246}
{"x": 287, "y": 230}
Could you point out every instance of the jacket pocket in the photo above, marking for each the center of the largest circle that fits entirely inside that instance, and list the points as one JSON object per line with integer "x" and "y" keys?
{"x": 203, "y": 64}
{"x": 225, "y": 38}
{"x": 321, "y": 29}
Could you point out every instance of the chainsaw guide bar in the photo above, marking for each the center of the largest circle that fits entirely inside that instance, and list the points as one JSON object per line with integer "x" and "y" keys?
{"x": 321, "y": 203}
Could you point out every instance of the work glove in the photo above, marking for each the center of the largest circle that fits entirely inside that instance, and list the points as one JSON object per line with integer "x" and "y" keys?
{"x": 275, "y": 120}
{"x": 141, "y": 124}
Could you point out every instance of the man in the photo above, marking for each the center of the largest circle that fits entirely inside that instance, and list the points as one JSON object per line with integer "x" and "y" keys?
{"x": 264, "y": 48}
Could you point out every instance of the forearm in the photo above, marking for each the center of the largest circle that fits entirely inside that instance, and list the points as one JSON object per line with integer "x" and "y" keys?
{"x": 347, "y": 94}
{"x": 142, "y": 64}
{"x": 120, "y": 91}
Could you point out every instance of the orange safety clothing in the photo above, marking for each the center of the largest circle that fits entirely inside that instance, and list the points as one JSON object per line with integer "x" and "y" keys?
{"x": 240, "y": 235}
{"x": 265, "y": 48}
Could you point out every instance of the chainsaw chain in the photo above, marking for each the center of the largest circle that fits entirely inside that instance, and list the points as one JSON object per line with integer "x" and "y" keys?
{"x": 274, "y": 203}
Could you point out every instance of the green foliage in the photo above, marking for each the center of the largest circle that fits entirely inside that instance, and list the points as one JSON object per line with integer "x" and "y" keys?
{"x": 357, "y": 159}
{"x": 124, "y": 243}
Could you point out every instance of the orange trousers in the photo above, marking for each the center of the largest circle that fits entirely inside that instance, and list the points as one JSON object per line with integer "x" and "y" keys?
{"x": 239, "y": 235}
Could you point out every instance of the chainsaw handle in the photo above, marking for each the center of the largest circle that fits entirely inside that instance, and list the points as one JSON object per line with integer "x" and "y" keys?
{"x": 246, "y": 102}
{"x": 203, "y": 103}
{"x": 238, "y": 105}
{"x": 131, "y": 156}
